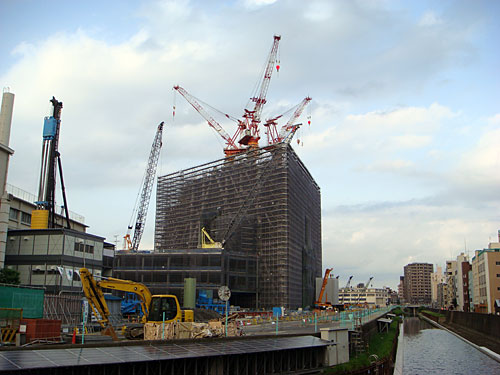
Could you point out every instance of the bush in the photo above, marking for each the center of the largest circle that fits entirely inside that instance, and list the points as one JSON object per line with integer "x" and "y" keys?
{"x": 9, "y": 276}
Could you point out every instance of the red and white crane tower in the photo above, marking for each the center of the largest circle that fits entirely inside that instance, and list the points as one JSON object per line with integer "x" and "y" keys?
{"x": 247, "y": 132}
{"x": 288, "y": 130}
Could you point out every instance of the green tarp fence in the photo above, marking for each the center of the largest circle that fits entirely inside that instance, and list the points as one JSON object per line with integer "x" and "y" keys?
{"x": 28, "y": 299}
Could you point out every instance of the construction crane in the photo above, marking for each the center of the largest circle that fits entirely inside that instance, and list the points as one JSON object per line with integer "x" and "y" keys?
{"x": 231, "y": 147}
{"x": 288, "y": 130}
{"x": 251, "y": 118}
{"x": 44, "y": 216}
{"x": 345, "y": 288}
{"x": 147, "y": 187}
{"x": 247, "y": 131}
{"x": 319, "y": 304}
{"x": 363, "y": 290}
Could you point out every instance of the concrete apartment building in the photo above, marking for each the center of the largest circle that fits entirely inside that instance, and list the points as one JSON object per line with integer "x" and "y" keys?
{"x": 417, "y": 283}
{"x": 437, "y": 281}
{"x": 462, "y": 282}
{"x": 401, "y": 289}
{"x": 450, "y": 295}
{"x": 486, "y": 279}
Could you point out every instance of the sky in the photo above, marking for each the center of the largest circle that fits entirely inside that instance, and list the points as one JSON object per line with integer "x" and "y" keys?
{"x": 404, "y": 140}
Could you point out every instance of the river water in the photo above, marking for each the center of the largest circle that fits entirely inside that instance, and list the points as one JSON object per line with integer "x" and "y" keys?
{"x": 428, "y": 350}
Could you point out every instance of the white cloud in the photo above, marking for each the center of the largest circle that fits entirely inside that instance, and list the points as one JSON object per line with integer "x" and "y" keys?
{"x": 430, "y": 18}
{"x": 252, "y": 4}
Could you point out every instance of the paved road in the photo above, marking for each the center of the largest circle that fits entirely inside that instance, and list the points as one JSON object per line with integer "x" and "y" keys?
{"x": 288, "y": 327}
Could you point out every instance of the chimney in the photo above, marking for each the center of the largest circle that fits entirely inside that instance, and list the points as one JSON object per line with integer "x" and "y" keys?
{"x": 6, "y": 116}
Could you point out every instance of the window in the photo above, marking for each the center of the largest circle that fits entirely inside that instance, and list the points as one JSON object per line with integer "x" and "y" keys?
{"x": 25, "y": 218}
{"x": 13, "y": 214}
{"x": 498, "y": 263}
{"x": 89, "y": 249}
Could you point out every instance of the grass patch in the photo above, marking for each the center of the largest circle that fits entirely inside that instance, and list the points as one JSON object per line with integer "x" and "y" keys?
{"x": 397, "y": 311}
{"x": 432, "y": 313}
{"x": 380, "y": 344}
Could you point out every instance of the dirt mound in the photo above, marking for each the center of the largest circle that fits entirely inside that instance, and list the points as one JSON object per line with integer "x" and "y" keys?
{"x": 204, "y": 315}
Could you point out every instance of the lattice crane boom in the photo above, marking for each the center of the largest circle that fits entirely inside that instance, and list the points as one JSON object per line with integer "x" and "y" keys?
{"x": 146, "y": 190}
{"x": 231, "y": 146}
{"x": 260, "y": 100}
{"x": 290, "y": 126}
{"x": 252, "y": 117}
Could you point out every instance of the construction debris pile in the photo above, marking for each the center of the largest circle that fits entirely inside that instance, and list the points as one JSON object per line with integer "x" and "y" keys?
{"x": 190, "y": 330}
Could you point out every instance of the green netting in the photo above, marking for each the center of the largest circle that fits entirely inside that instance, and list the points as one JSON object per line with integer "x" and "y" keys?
{"x": 30, "y": 300}
{"x": 7, "y": 314}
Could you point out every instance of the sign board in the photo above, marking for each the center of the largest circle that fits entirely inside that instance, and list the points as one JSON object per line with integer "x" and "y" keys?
{"x": 224, "y": 293}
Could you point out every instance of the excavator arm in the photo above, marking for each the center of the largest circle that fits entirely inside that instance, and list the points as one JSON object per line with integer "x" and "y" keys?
{"x": 93, "y": 291}
{"x": 139, "y": 289}
{"x": 96, "y": 300}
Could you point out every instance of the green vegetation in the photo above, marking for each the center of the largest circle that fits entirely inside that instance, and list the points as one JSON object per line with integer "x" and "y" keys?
{"x": 397, "y": 311}
{"x": 432, "y": 313}
{"x": 9, "y": 276}
{"x": 380, "y": 344}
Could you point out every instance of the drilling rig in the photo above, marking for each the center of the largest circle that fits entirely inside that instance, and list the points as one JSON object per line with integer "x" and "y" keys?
{"x": 44, "y": 216}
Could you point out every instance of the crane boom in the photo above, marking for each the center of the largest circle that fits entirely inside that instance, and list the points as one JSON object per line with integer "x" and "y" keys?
{"x": 323, "y": 286}
{"x": 345, "y": 288}
{"x": 231, "y": 147}
{"x": 290, "y": 127}
{"x": 147, "y": 187}
{"x": 251, "y": 118}
{"x": 260, "y": 100}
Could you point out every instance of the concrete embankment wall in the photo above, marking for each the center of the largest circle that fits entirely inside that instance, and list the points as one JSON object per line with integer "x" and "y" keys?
{"x": 487, "y": 324}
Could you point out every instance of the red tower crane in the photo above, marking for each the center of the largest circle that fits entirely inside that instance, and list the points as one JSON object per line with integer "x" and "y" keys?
{"x": 288, "y": 130}
{"x": 251, "y": 118}
{"x": 231, "y": 147}
{"x": 247, "y": 132}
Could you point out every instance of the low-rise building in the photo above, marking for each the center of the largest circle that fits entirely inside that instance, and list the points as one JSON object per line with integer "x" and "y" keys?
{"x": 486, "y": 278}
{"x": 371, "y": 297}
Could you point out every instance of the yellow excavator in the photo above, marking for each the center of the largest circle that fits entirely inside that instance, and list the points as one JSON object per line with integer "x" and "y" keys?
{"x": 155, "y": 308}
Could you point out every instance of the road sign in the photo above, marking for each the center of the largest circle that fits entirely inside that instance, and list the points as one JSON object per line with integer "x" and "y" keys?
{"x": 224, "y": 293}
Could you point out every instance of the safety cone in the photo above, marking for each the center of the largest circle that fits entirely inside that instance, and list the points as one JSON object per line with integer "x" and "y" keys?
{"x": 73, "y": 340}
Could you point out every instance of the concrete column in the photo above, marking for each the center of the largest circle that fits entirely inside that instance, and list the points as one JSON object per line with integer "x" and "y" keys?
{"x": 6, "y": 117}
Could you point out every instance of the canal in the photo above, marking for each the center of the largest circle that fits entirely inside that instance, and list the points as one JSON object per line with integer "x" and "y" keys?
{"x": 429, "y": 350}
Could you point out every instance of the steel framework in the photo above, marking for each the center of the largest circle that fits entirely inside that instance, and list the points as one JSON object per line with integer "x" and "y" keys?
{"x": 262, "y": 205}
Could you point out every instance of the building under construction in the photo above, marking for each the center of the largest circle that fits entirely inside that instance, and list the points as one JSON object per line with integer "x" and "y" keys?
{"x": 264, "y": 208}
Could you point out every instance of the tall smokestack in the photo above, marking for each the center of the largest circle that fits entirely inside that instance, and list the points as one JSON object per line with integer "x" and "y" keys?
{"x": 5, "y": 122}
{"x": 6, "y": 116}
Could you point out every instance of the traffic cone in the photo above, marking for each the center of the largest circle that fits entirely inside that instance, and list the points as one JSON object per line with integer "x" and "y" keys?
{"x": 73, "y": 340}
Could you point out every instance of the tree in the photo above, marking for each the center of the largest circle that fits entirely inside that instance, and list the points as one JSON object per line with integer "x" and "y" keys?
{"x": 9, "y": 276}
